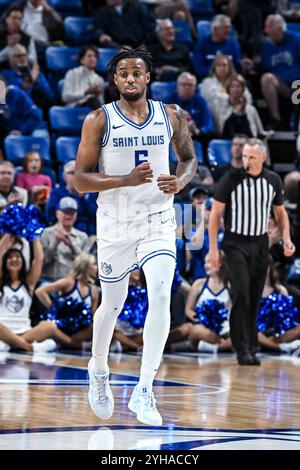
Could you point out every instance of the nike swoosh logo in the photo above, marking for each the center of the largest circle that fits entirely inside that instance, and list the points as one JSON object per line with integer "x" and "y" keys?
{"x": 164, "y": 221}
{"x": 117, "y": 127}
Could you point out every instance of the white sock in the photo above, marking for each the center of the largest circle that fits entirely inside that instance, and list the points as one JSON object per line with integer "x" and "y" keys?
{"x": 204, "y": 346}
{"x": 113, "y": 298}
{"x": 159, "y": 273}
{"x": 288, "y": 347}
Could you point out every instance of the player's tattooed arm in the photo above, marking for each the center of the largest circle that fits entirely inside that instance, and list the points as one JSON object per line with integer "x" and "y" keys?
{"x": 185, "y": 151}
{"x": 87, "y": 160}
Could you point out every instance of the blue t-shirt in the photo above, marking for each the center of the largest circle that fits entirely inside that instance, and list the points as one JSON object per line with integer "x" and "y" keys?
{"x": 282, "y": 59}
{"x": 12, "y": 77}
{"x": 198, "y": 109}
{"x": 206, "y": 50}
{"x": 20, "y": 112}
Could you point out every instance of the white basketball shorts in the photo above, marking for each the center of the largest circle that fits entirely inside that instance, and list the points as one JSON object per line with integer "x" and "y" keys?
{"x": 125, "y": 246}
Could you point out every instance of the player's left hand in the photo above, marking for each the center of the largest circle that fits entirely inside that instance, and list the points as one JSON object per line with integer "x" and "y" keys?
{"x": 168, "y": 184}
{"x": 288, "y": 248}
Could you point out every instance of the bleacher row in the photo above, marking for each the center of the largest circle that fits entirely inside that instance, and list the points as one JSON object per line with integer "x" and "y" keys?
{"x": 65, "y": 146}
{"x": 198, "y": 8}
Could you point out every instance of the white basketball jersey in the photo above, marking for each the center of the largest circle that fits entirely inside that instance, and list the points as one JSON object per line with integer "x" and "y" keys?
{"x": 15, "y": 307}
{"x": 125, "y": 145}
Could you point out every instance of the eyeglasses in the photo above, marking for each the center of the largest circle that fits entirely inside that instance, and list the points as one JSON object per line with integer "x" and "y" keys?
{"x": 20, "y": 55}
{"x": 187, "y": 84}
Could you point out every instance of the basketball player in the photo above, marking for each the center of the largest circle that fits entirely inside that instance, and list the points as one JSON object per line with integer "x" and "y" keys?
{"x": 129, "y": 140}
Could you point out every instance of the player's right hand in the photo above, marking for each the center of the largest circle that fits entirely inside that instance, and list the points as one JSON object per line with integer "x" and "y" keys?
{"x": 140, "y": 174}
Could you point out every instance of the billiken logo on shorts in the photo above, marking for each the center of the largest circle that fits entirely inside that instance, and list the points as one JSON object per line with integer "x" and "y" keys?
{"x": 106, "y": 268}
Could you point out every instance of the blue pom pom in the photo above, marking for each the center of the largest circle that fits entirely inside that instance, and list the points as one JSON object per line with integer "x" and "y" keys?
{"x": 135, "y": 308}
{"x": 25, "y": 223}
{"x": 69, "y": 315}
{"x": 278, "y": 314}
{"x": 212, "y": 314}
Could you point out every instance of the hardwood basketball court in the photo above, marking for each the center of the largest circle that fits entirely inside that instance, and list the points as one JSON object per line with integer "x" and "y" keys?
{"x": 207, "y": 402}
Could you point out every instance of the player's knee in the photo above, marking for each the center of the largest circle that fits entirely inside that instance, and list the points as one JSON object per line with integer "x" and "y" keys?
{"x": 109, "y": 308}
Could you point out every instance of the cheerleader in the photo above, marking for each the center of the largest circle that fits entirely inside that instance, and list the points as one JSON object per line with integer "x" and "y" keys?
{"x": 16, "y": 291}
{"x": 214, "y": 287}
{"x": 278, "y": 318}
{"x": 74, "y": 327}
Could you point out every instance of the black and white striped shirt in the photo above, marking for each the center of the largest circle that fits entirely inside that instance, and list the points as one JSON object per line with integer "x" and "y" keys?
{"x": 249, "y": 200}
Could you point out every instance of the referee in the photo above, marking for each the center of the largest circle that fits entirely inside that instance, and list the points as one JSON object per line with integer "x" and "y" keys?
{"x": 247, "y": 194}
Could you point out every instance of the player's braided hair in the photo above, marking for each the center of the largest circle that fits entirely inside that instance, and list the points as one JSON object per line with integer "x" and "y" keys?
{"x": 127, "y": 52}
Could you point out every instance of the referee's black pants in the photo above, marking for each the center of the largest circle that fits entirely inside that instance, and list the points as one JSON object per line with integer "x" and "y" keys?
{"x": 247, "y": 259}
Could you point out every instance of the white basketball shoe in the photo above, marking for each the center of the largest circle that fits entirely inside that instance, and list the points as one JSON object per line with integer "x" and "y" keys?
{"x": 100, "y": 395}
{"x": 143, "y": 403}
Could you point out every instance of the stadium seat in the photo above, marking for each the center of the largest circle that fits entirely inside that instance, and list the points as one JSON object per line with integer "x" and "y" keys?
{"x": 201, "y": 8}
{"x": 183, "y": 32}
{"x": 79, "y": 30}
{"x": 62, "y": 58}
{"x": 294, "y": 271}
{"x": 60, "y": 86}
{"x": 66, "y": 148}
{"x": 4, "y": 4}
{"x": 203, "y": 28}
{"x": 293, "y": 27}
{"x": 105, "y": 55}
{"x": 162, "y": 90}
{"x": 198, "y": 150}
{"x": 219, "y": 152}
{"x": 67, "y": 121}
{"x": 67, "y": 7}
{"x": 16, "y": 146}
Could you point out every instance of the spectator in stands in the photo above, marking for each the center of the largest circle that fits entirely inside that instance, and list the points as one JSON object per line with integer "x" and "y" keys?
{"x": 9, "y": 193}
{"x": 170, "y": 58}
{"x": 87, "y": 207}
{"x": 62, "y": 242}
{"x": 124, "y": 22}
{"x": 236, "y": 161}
{"x": 82, "y": 85}
{"x": 199, "y": 116}
{"x": 234, "y": 116}
{"x": 77, "y": 286}
{"x": 289, "y": 10}
{"x": 41, "y": 21}
{"x": 280, "y": 60}
{"x": 218, "y": 41}
{"x": 11, "y": 34}
{"x": 292, "y": 186}
{"x": 16, "y": 290}
{"x": 214, "y": 87}
{"x": 20, "y": 116}
{"x": 28, "y": 77}
{"x": 175, "y": 10}
{"x": 252, "y": 15}
{"x": 33, "y": 180}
